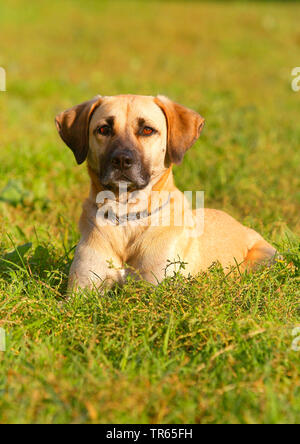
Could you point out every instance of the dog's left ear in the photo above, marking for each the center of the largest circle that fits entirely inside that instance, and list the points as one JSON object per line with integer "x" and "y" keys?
{"x": 184, "y": 127}
{"x": 73, "y": 127}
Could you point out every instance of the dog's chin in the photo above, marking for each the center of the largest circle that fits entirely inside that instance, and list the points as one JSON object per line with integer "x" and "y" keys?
{"x": 124, "y": 184}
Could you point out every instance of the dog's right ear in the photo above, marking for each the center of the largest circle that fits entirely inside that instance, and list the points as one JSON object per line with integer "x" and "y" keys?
{"x": 184, "y": 127}
{"x": 73, "y": 127}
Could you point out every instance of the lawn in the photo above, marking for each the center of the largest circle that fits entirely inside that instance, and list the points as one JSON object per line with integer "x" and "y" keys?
{"x": 208, "y": 349}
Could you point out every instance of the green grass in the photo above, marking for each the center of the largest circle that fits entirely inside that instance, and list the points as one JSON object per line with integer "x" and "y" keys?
{"x": 209, "y": 349}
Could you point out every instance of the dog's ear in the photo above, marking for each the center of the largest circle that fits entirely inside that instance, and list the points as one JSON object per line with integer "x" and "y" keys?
{"x": 184, "y": 127}
{"x": 73, "y": 127}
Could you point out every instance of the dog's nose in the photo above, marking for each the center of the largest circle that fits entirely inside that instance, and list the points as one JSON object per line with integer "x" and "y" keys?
{"x": 122, "y": 160}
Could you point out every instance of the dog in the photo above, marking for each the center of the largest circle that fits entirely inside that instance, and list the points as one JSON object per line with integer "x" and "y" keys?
{"x": 131, "y": 142}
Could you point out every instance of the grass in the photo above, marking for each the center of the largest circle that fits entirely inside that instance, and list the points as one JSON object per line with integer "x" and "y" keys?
{"x": 207, "y": 349}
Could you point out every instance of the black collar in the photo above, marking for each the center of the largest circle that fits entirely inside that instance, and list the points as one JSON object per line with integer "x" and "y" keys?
{"x": 130, "y": 217}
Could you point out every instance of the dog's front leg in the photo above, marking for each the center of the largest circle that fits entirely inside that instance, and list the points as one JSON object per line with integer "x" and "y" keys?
{"x": 93, "y": 269}
{"x": 163, "y": 253}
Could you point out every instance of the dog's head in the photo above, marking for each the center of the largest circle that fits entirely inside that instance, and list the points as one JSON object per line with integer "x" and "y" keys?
{"x": 129, "y": 138}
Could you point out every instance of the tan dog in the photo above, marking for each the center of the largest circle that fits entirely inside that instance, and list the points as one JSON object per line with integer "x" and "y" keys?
{"x": 133, "y": 141}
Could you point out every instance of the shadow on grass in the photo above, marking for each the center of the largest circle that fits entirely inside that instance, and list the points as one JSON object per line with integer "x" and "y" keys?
{"x": 40, "y": 264}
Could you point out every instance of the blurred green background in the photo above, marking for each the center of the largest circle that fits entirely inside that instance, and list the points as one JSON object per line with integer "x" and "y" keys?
{"x": 231, "y": 62}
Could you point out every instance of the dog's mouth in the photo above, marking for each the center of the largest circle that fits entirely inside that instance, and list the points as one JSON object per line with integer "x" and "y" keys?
{"x": 124, "y": 168}
{"x": 124, "y": 183}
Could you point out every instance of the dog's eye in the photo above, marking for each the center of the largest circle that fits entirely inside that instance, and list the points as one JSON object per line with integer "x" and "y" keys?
{"x": 104, "y": 130}
{"x": 147, "y": 131}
